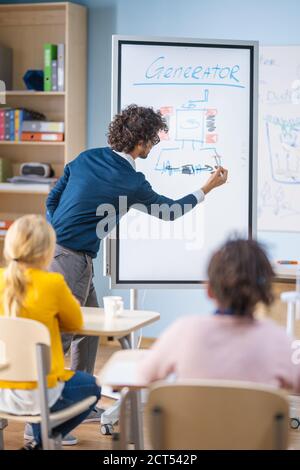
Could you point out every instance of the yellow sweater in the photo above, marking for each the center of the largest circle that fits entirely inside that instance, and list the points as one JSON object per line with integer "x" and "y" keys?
{"x": 49, "y": 301}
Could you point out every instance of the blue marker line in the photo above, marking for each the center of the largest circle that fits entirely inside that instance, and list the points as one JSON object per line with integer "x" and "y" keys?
{"x": 188, "y": 84}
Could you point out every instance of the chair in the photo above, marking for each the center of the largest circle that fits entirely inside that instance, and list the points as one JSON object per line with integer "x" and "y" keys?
{"x": 25, "y": 348}
{"x": 212, "y": 414}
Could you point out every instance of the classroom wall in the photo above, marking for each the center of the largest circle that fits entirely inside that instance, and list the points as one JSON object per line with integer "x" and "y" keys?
{"x": 272, "y": 22}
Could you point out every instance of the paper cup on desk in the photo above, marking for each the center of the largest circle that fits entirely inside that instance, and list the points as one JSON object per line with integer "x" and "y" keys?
{"x": 113, "y": 306}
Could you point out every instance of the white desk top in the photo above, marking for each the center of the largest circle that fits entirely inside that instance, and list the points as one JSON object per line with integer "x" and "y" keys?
{"x": 121, "y": 369}
{"x": 96, "y": 324}
{"x": 285, "y": 271}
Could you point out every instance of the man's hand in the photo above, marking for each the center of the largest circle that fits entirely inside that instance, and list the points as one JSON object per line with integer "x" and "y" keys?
{"x": 217, "y": 178}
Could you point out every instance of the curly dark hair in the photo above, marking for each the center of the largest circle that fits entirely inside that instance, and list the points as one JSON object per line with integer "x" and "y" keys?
{"x": 133, "y": 125}
{"x": 240, "y": 276}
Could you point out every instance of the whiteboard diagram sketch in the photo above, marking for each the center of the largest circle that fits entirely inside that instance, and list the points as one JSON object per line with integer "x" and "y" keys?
{"x": 284, "y": 152}
{"x": 195, "y": 131}
{"x": 279, "y": 139}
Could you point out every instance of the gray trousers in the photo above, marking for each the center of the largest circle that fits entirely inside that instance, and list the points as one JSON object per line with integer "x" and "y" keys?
{"x": 77, "y": 269}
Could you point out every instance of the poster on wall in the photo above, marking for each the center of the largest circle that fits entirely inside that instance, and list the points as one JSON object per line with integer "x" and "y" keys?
{"x": 279, "y": 139}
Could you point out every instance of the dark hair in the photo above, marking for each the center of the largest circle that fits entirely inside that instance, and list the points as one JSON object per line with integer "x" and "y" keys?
{"x": 240, "y": 276}
{"x": 133, "y": 125}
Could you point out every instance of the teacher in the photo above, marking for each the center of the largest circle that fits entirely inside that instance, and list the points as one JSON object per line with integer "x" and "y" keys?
{"x": 100, "y": 176}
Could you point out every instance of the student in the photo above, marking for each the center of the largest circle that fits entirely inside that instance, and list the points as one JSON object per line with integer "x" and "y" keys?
{"x": 27, "y": 290}
{"x": 231, "y": 344}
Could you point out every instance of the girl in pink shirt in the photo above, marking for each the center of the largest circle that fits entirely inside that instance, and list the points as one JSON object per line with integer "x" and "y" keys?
{"x": 231, "y": 344}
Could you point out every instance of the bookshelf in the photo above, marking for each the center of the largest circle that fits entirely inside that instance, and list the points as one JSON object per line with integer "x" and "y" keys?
{"x": 26, "y": 28}
{"x": 33, "y": 142}
{"x": 24, "y": 188}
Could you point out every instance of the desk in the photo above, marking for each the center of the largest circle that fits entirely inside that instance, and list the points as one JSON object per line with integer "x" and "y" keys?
{"x": 120, "y": 372}
{"x": 278, "y": 311}
{"x": 121, "y": 327}
{"x": 121, "y": 369}
{"x": 286, "y": 273}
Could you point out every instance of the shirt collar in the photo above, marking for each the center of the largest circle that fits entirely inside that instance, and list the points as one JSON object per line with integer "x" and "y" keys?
{"x": 127, "y": 157}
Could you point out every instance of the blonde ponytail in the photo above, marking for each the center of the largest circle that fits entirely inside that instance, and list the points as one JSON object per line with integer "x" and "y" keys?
{"x": 29, "y": 243}
{"x": 15, "y": 288}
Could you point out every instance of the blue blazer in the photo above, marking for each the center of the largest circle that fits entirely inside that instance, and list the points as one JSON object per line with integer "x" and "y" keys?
{"x": 85, "y": 200}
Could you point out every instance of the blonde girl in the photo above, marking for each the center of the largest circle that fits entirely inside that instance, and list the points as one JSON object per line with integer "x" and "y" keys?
{"x": 28, "y": 290}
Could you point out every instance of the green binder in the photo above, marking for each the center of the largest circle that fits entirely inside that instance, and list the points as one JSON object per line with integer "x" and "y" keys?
{"x": 5, "y": 170}
{"x": 50, "y": 53}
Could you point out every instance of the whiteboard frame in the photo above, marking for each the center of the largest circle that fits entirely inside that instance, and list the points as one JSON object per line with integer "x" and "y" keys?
{"x": 253, "y": 46}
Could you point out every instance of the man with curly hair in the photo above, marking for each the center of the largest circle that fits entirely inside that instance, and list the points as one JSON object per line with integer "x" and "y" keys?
{"x": 100, "y": 176}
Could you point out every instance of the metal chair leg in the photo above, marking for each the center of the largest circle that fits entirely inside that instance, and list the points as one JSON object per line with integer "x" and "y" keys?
{"x": 3, "y": 424}
{"x": 57, "y": 442}
{"x": 124, "y": 434}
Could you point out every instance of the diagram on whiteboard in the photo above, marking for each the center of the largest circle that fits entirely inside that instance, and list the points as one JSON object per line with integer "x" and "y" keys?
{"x": 193, "y": 132}
{"x": 279, "y": 140}
{"x": 275, "y": 201}
{"x": 284, "y": 152}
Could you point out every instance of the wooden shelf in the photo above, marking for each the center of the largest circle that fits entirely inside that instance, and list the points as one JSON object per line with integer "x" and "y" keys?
{"x": 33, "y": 142}
{"x": 10, "y": 215}
{"x": 32, "y": 93}
{"x": 33, "y": 6}
{"x": 25, "y": 188}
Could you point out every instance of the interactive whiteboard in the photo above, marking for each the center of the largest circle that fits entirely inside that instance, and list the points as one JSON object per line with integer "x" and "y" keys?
{"x": 207, "y": 92}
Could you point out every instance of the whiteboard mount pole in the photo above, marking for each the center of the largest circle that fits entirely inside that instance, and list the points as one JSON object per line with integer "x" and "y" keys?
{"x": 133, "y": 299}
{"x": 133, "y": 306}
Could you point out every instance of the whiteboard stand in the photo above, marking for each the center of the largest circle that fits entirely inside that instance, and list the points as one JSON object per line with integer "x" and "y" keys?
{"x": 106, "y": 256}
{"x": 292, "y": 298}
{"x": 107, "y": 242}
{"x": 133, "y": 299}
{"x": 133, "y": 306}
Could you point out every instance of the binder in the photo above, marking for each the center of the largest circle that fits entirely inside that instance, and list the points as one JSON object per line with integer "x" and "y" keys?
{"x": 50, "y": 54}
{"x": 5, "y": 169}
{"x": 54, "y": 75}
{"x": 12, "y": 124}
{"x": 7, "y": 124}
{"x": 17, "y": 125}
{"x": 2, "y": 123}
{"x": 43, "y": 126}
{"x": 40, "y": 136}
{"x": 61, "y": 67}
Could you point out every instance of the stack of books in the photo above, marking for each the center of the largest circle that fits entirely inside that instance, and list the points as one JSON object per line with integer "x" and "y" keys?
{"x": 32, "y": 179}
{"x": 43, "y": 131}
{"x": 11, "y": 122}
{"x": 26, "y": 125}
{"x": 54, "y": 67}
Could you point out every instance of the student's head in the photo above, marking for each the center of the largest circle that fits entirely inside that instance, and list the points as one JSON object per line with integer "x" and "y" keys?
{"x": 136, "y": 128}
{"x": 240, "y": 276}
{"x": 29, "y": 243}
